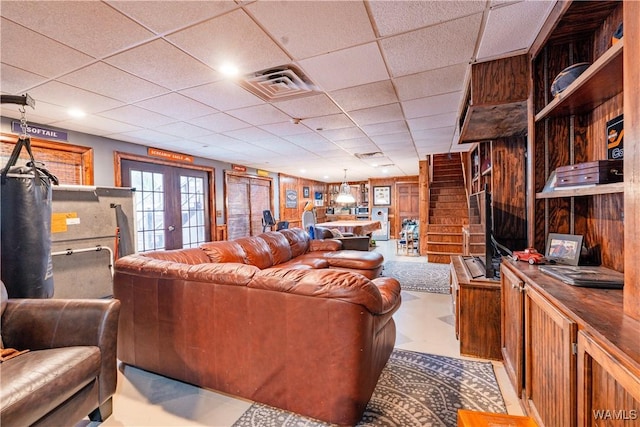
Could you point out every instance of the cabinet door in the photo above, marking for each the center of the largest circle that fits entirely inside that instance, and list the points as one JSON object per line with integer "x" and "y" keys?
{"x": 608, "y": 392}
{"x": 512, "y": 337}
{"x": 550, "y": 363}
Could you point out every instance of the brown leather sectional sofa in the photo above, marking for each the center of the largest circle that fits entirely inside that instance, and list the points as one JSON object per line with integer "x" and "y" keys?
{"x": 278, "y": 318}
{"x": 70, "y": 369}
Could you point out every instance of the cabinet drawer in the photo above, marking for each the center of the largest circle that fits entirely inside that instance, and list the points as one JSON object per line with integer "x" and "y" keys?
{"x": 600, "y": 172}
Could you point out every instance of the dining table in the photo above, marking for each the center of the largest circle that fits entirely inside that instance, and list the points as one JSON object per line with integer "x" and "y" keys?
{"x": 356, "y": 227}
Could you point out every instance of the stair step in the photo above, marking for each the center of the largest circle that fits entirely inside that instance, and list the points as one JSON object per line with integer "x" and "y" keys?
{"x": 449, "y": 221}
{"x": 443, "y": 228}
{"x": 444, "y": 247}
{"x": 448, "y": 204}
{"x": 437, "y": 239}
{"x": 437, "y": 212}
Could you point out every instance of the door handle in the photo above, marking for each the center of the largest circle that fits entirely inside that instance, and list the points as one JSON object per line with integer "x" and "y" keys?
{"x": 171, "y": 228}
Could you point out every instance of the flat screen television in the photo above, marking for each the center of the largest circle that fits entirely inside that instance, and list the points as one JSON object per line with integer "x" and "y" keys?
{"x": 490, "y": 269}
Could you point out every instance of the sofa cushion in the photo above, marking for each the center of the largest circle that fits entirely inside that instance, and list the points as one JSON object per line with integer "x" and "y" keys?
{"x": 279, "y": 245}
{"x": 359, "y": 260}
{"x": 323, "y": 283}
{"x": 225, "y": 251}
{"x": 35, "y": 383}
{"x": 257, "y": 250}
{"x": 183, "y": 256}
{"x": 312, "y": 260}
{"x": 298, "y": 240}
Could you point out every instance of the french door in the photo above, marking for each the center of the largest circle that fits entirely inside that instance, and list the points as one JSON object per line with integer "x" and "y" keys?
{"x": 171, "y": 205}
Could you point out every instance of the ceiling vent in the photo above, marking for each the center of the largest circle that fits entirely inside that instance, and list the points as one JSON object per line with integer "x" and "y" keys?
{"x": 279, "y": 83}
{"x": 373, "y": 155}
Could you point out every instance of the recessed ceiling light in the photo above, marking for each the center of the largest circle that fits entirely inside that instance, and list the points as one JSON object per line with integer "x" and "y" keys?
{"x": 229, "y": 70}
{"x": 77, "y": 113}
{"x": 303, "y": 170}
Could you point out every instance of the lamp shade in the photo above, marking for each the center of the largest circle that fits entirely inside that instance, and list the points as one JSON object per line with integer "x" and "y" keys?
{"x": 344, "y": 195}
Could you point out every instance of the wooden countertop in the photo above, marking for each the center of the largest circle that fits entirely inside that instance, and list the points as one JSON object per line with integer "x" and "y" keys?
{"x": 597, "y": 311}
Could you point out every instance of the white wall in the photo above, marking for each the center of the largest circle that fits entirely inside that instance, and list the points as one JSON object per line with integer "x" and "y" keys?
{"x": 103, "y": 149}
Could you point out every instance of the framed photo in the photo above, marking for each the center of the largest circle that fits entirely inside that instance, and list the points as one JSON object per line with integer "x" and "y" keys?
{"x": 291, "y": 199}
{"x": 563, "y": 248}
{"x": 382, "y": 196}
{"x": 305, "y": 192}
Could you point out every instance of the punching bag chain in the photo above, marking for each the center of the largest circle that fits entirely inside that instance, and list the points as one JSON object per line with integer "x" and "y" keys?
{"x": 23, "y": 122}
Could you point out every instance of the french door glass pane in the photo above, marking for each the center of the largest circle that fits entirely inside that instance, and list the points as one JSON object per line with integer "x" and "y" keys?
{"x": 149, "y": 202}
{"x": 192, "y": 209}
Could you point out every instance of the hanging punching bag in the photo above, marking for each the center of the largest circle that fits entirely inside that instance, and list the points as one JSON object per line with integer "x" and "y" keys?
{"x": 25, "y": 197}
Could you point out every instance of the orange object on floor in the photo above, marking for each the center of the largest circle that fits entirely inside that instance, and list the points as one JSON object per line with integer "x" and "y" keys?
{"x": 485, "y": 419}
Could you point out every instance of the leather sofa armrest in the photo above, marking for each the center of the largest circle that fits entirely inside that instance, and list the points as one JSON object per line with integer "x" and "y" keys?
{"x": 390, "y": 292}
{"x": 38, "y": 324}
{"x": 325, "y": 245}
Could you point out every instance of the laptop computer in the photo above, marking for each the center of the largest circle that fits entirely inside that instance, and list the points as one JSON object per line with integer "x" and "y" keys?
{"x": 585, "y": 276}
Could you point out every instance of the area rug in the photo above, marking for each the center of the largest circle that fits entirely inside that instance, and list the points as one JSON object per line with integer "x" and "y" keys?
{"x": 414, "y": 389}
{"x": 419, "y": 276}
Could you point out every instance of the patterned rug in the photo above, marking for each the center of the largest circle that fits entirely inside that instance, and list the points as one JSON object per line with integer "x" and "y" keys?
{"x": 414, "y": 389}
{"x": 419, "y": 276}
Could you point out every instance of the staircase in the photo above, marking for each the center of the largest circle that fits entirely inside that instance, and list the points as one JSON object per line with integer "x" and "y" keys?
{"x": 448, "y": 209}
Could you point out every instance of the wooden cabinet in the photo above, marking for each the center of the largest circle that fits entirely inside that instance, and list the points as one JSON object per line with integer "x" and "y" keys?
{"x": 476, "y": 305}
{"x": 550, "y": 362}
{"x": 581, "y": 353}
{"x": 497, "y": 100}
{"x": 512, "y": 321}
{"x": 570, "y": 128}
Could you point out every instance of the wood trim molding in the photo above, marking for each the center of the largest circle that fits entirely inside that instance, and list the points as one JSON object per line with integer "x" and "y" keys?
{"x": 86, "y": 153}
{"x": 118, "y": 156}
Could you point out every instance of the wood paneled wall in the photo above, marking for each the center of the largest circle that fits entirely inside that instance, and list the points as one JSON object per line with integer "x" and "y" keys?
{"x": 294, "y": 215}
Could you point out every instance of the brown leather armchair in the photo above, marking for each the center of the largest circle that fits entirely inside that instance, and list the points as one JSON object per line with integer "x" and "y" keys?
{"x": 70, "y": 369}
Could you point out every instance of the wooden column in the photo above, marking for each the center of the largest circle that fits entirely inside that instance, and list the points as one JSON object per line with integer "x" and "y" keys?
{"x": 631, "y": 159}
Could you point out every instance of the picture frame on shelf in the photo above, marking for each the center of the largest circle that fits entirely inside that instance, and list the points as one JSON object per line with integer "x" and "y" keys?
{"x": 382, "y": 195}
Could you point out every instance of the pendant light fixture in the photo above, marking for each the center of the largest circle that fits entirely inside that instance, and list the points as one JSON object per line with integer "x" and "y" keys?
{"x": 344, "y": 195}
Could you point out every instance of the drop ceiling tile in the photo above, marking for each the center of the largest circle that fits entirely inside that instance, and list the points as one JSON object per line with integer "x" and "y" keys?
{"x": 177, "y": 106}
{"x": 307, "y": 139}
{"x": 385, "y": 128}
{"x": 137, "y": 116}
{"x": 177, "y": 70}
{"x": 231, "y": 38}
{"x": 306, "y": 29}
{"x": 334, "y": 121}
{"x": 393, "y": 138}
{"x": 30, "y": 51}
{"x": 393, "y": 17}
{"x": 439, "y": 134}
{"x": 432, "y": 105}
{"x": 434, "y": 47}
{"x": 44, "y": 114}
{"x": 357, "y": 142}
{"x": 349, "y": 67}
{"x": 249, "y": 134}
{"x": 104, "y": 125}
{"x": 222, "y": 95}
{"x": 146, "y": 137}
{"x": 309, "y": 106}
{"x": 382, "y": 114}
{"x": 217, "y": 140}
{"x": 259, "y": 114}
{"x": 434, "y": 82}
{"x": 91, "y": 27}
{"x": 364, "y": 96}
{"x": 16, "y": 81}
{"x": 165, "y": 16}
{"x": 513, "y": 27}
{"x": 72, "y": 97}
{"x": 421, "y": 135}
{"x": 285, "y": 128}
{"x": 219, "y": 122}
{"x": 432, "y": 122}
{"x": 183, "y": 130}
{"x": 109, "y": 81}
{"x": 344, "y": 133}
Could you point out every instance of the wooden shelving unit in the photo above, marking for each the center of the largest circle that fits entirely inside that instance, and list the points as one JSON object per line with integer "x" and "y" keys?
{"x": 599, "y": 83}
{"x": 616, "y": 187}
